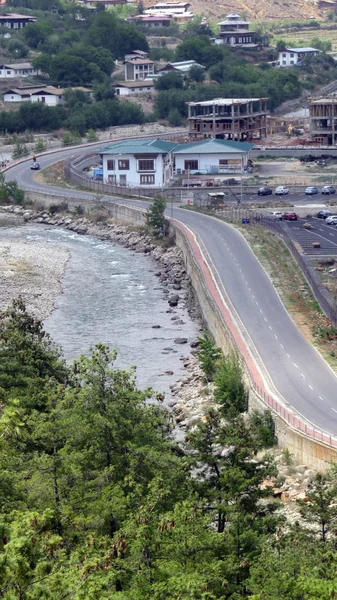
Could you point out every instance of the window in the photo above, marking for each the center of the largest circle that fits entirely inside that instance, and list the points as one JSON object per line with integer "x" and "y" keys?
{"x": 223, "y": 161}
{"x": 112, "y": 178}
{"x": 284, "y": 55}
{"x": 292, "y": 55}
{"x": 147, "y": 179}
{"x": 191, "y": 165}
{"x": 146, "y": 165}
{"x": 124, "y": 165}
{"x": 110, "y": 165}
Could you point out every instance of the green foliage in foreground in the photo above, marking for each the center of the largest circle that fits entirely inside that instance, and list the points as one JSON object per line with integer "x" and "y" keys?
{"x": 155, "y": 216}
{"x": 97, "y": 499}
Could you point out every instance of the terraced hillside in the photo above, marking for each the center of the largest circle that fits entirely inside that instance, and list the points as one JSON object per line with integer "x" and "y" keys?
{"x": 255, "y": 10}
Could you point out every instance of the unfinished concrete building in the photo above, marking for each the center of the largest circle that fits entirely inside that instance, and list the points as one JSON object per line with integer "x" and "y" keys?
{"x": 323, "y": 120}
{"x": 228, "y": 118}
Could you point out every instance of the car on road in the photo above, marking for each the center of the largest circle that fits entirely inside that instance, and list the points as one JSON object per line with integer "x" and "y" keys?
{"x": 35, "y": 166}
{"x": 281, "y": 190}
{"x": 310, "y": 191}
{"x": 264, "y": 191}
{"x": 276, "y": 215}
{"x": 331, "y": 220}
{"x": 328, "y": 189}
{"x": 323, "y": 214}
{"x": 290, "y": 216}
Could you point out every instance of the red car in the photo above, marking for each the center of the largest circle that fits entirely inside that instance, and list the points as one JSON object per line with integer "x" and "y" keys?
{"x": 290, "y": 216}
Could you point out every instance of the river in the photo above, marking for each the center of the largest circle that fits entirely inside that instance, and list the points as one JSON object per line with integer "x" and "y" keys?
{"x": 111, "y": 295}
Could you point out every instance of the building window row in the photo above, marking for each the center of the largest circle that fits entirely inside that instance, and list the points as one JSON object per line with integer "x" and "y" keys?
{"x": 123, "y": 165}
{"x": 147, "y": 179}
{"x": 145, "y": 165}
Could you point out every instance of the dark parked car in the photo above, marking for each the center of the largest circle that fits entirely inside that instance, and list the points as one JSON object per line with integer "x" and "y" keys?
{"x": 290, "y": 216}
{"x": 323, "y": 214}
{"x": 35, "y": 166}
{"x": 328, "y": 189}
{"x": 264, "y": 191}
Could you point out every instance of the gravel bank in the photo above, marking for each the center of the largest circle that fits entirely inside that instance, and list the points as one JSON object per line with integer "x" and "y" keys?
{"x": 32, "y": 270}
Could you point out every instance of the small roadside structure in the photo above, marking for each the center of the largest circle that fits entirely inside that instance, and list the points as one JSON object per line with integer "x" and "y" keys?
{"x": 295, "y": 56}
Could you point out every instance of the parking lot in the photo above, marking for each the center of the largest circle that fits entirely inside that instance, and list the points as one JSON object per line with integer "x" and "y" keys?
{"x": 326, "y": 235}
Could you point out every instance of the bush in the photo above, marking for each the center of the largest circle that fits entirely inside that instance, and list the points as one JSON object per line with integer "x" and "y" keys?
{"x": 230, "y": 390}
{"x": 263, "y": 428}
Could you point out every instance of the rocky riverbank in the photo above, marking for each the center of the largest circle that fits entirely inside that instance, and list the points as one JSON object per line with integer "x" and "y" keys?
{"x": 32, "y": 270}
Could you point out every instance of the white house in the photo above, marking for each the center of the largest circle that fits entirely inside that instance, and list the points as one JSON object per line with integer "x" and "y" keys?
{"x": 138, "y": 162}
{"x": 295, "y": 56}
{"x": 17, "y": 70}
{"x": 178, "y": 11}
{"x": 211, "y": 156}
{"x": 129, "y": 88}
{"x": 45, "y": 94}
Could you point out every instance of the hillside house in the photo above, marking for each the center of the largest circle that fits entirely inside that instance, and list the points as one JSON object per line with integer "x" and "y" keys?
{"x": 129, "y": 88}
{"x": 295, "y": 56}
{"x": 136, "y": 54}
{"x": 138, "y": 68}
{"x": 211, "y": 156}
{"x": 16, "y": 21}
{"x": 182, "y": 67}
{"x": 234, "y": 31}
{"x": 178, "y": 11}
{"x": 240, "y": 119}
{"x": 138, "y": 162}
{"x": 24, "y": 69}
{"x": 49, "y": 95}
{"x": 151, "y": 20}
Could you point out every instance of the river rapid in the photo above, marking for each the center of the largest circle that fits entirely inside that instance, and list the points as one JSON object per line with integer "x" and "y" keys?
{"x": 111, "y": 295}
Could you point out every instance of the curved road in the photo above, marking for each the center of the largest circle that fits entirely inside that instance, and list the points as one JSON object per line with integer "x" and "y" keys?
{"x": 297, "y": 371}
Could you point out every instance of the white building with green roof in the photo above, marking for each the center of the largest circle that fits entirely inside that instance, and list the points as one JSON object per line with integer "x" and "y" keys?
{"x": 212, "y": 156}
{"x": 145, "y": 163}
{"x": 138, "y": 162}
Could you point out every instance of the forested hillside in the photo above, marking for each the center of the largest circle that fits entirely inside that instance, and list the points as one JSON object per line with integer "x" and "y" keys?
{"x": 97, "y": 499}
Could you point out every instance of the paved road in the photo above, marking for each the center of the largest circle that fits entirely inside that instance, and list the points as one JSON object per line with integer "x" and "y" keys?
{"x": 298, "y": 372}
{"x": 320, "y": 232}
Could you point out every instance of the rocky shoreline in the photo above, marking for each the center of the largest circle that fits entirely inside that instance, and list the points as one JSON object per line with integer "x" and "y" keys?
{"x": 189, "y": 395}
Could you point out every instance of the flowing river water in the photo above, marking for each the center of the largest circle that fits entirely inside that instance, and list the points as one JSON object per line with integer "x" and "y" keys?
{"x": 111, "y": 295}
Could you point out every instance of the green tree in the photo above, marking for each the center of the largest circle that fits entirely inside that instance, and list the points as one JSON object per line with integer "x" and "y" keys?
{"x": 230, "y": 391}
{"x": 321, "y": 508}
{"x": 197, "y": 74}
{"x": 172, "y": 79}
{"x": 208, "y": 355}
{"x": 174, "y": 117}
{"x": 155, "y": 216}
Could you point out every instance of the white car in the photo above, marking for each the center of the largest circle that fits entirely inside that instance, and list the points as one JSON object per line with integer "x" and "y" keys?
{"x": 281, "y": 190}
{"x": 276, "y": 215}
{"x": 332, "y": 220}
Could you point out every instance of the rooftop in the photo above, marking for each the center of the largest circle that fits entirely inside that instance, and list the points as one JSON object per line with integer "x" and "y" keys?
{"x": 135, "y": 84}
{"x": 16, "y": 16}
{"x": 225, "y": 101}
{"x": 140, "y": 61}
{"x": 308, "y": 49}
{"x": 213, "y": 146}
{"x": 24, "y": 65}
{"x": 154, "y": 146}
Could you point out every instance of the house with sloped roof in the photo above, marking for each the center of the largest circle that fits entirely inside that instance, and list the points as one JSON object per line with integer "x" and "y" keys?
{"x": 211, "y": 156}
{"x": 24, "y": 69}
{"x": 46, "y": 94}
{"x": 147, "y": 163}
{"x": 295, "y": 56}
{"x": 130, "y": 88}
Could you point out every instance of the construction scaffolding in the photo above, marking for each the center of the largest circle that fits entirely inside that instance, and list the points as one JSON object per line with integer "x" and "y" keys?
{"x": 241, "y": 119}
{"x": 323, "y": 117}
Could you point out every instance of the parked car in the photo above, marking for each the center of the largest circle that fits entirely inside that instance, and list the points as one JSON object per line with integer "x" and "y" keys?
{"x": 264, "y": 191}
{"x": 290, "y": 216}
{"x": 323, "y": 214}
{"x": 35, "y": 166}
{"x": 276, "y": 215}
{"x": 332, "y": 220}
{"x": 281, "y": 190}
{"x": 310, "y": 191}
{"x": 328, "y": 189}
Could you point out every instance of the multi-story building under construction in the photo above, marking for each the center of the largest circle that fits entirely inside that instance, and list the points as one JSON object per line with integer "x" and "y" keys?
{"x": 228, "y": 118}
{"x": 323, "y": 120}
